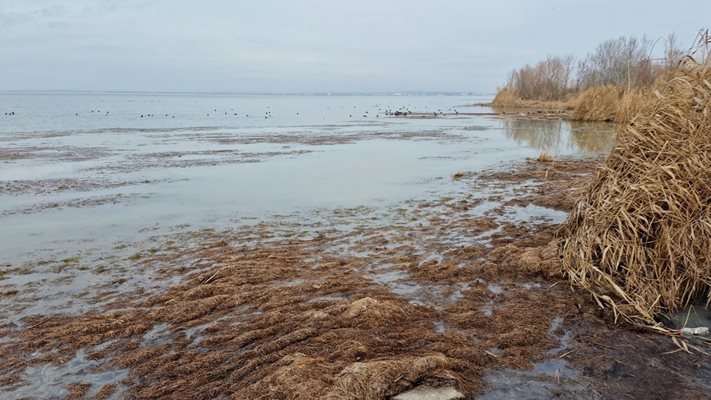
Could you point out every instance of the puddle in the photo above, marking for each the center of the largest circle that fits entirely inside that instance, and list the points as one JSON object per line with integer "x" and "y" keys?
{"x": 289, "y": 284}
{"x": 420, "y": 294}
{"x": 495, "y": 288}
{"x": 157, "y": 336}
{"x": 564, "y": 338}
{"x": 488, "y": 310}
{"x": 459, "y": 292}
{"x": 330, "y": 297}
{"x": 390, "y": 276}
{"x": 693, "y": 316}
{"x": 48, "y": 381}
{"x": 550, "y": 378}
{"x": 531, "y": 285}
{"x": 559, "y": 137}
{"x": 195, "y": 334}
{"x": 535, "y": 213}
{"x": 399, "y": 284}
{"x": 513, "y": 384}
{"x": 440, "y": 326}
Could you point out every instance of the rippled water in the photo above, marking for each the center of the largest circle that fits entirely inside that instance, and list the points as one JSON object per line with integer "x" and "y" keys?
{"x": 81, "y": 175}
{"x": 93, "y": 169}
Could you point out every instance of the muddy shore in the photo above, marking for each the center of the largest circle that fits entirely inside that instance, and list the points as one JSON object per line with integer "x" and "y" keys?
{"x": 360, "y": 303}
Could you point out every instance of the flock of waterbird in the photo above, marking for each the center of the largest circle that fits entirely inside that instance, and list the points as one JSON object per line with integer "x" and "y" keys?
{"x": 400, "y": 112}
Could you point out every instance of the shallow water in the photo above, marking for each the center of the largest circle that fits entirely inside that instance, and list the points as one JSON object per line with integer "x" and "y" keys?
{"x": 80, "y": 169}
{"x": 49, "y": 379}
{"x": 693, "y": 316}
{"x": 548, "y": 379}
{"x": 75, "y": 188}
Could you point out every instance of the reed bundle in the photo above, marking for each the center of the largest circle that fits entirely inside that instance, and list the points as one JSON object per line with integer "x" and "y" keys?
{"x": 639, "y": 240}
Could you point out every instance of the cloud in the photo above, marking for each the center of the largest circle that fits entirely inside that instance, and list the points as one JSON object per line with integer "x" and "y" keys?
{"x": 308, "y": 45}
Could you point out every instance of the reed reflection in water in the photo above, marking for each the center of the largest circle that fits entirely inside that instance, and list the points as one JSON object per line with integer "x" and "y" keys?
{"x": 559, "y": 137}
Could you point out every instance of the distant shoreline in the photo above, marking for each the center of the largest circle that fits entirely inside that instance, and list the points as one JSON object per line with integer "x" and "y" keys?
{"x": 190, "y": 93}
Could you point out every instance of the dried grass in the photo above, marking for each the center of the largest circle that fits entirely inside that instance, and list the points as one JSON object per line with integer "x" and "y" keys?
{"x": 263, "y": 340}
{"x": 545, "y": 157}
{"x": 264, "y": 327}
{"x": 634, "y": 102}
{"x": 597, "y": 104}
{"x": 640, "y": 239}
{"x": 303, "y": 319}
{"x": 506, "y": 98}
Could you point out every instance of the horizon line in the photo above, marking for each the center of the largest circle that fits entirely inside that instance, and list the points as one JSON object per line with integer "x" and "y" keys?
{"x": 251, "y": 93}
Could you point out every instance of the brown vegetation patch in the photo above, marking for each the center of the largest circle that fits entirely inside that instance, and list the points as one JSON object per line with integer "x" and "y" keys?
{"x": 45, "y": 186}
{"x": 592, "y": 87}
{"x": 250, "y": 337}
{"x": 599, "y": 103}
{"x": 364, "y": 313}
{"x": 301, "y": 318}
{"x": 639, "y": 238}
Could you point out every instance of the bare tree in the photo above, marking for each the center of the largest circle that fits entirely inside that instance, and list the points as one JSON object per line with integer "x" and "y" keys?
{"x": 549, "y": 79}
{"x": 624, "y": 61}
{"x": 672, "y": 53}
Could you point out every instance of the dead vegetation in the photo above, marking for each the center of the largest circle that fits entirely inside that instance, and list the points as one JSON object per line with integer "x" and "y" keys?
{"x": 639, "y": 238}
{"x": 597, "y": 104}
{"x": 603, "y": 86}
{"x": 296, "y": 319}
{"x": 545, "y": 158}
{"x": 266, "y": 324}
{"x": 507, "y": 99}
{"x": 359, "y": 314}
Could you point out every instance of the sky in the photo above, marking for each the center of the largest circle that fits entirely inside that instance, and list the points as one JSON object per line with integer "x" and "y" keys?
{"x": 274, "y": 46}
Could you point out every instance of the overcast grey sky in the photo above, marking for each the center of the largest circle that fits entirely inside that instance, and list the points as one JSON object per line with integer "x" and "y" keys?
{"x": 310, "y": 45}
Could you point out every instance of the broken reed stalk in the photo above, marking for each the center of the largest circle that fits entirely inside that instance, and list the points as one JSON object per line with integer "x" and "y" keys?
{"x": 639, "y": 240}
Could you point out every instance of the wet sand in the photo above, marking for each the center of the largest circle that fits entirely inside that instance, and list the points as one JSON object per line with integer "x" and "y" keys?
{"x": 458, "y": 284}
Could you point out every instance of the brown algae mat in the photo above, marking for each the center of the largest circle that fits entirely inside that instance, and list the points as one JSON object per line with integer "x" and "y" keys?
{"x": 437, "y": 298}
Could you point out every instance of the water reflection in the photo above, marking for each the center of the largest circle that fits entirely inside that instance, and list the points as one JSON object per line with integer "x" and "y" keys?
{"x": 592, "y": 137}
{"x": 561, "y": 137}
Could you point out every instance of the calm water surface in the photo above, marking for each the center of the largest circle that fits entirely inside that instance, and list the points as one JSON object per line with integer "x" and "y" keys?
{"x": 80, "y": 170}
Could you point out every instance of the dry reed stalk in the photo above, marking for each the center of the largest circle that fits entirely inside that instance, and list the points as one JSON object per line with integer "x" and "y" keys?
{"x": 640, "y": 239}
{"x": 634, "y": 102}
{"x": 506, "y": 98}
{"x": 597, "y": 104}
{"x": 545, "y": 157}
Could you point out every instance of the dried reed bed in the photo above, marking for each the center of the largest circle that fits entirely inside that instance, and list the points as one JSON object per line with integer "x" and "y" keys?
{"x": 597, "y": 104}
{"x": 507, "y": 99}
{"x": 635, "y": 101}
{"x": 290, "y": 321}
{"x": 265, "y": 334}
{"x": 302, "y": 319}
{"x": 640, "y": 238}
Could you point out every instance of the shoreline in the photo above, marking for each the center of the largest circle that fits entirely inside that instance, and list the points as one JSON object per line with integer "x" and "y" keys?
{"x": 534, "y": 110}
{"x": 434, "y": 264}
{"x": 332, "y": 310}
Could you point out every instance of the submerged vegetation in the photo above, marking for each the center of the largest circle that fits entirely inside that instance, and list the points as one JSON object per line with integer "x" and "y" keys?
{"x": 638, "y": 240}
{"x": 596, "y": 88}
